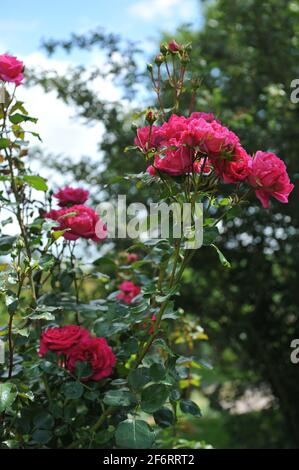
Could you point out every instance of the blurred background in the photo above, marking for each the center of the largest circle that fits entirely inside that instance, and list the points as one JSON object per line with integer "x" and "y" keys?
{"x": 86, "y": 80}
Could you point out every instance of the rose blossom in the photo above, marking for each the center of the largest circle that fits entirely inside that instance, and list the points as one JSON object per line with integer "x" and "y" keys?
{"x": 97, "y": 353}
{"x": 69, "y": 196}
{"x": 269, "y": 177}
{"x": 151, "y": 170}
{"x": 209, "y": 117}
{"x": 132, "y": 257}
{"x": 233, "y": 167}
{"x": 147, "y": 137}
{"x": 128, "y": 292}
{"x": 11, "y": 69}
{"x": 61, "y": 339}
{"x": 82, "y": 221}
{"x": 198, "y": 166}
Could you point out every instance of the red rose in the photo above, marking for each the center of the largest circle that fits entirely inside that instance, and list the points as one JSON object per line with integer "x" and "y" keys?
{"x": 11, "y": 69}
{"x": 97, "y": 353}
{"x": 128, "y": 292}
{"x": 82, "y": 221}
{"x": 62, "y": 340}
{"x": 69, "y": 196}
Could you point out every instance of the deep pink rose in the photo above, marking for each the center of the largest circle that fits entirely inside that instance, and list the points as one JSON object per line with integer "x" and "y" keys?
{"x": 209, "y": 117}
{"x": 175, "y": 162}
{"x": 97, "y": 353}
{"x": 269, "y": 177}
{"x": 151, "y": 170}
{"x": 69, "y": 196}
{"x": 62, "y": 340}
{"x": 233, "y": 167}
{"x": 79, "y": 221}
{"x": 11, "y": 69}
{"x": 128, "y": 292}
{"x": 147, "y": 137}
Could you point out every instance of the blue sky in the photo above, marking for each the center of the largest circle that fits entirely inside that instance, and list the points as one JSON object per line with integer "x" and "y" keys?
{"x": 23, "y": 26}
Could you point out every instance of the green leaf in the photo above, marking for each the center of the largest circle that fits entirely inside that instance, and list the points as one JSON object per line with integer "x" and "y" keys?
{"x": 119, "y": 398}
{"x": 36, "y": 182}
{"x": 138, "y": 378}
{"x": 18, "y": 117}
{"x": 8, "y": 395}
{"x": 42, "y": 436}
{"x": 72, "y": 390}
{"x": 6, "y": 243}
{"x": 157, "y": 372}
{"x": 44, "y": 420}
{"x": 4, "y": 143}
{"x": 164, "y": 417}
{"x": 222, "y": 258}
{"x": 153, "y": 397}
{"x": 134, "y": 434}
{"x": 209, "y": 235}
{"x": 189, "y": 407}
{"x": 83, "y": 369}
{"x": 41, "y": 316}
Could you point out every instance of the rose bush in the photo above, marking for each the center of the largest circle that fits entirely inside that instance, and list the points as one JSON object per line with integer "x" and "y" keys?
{"x": 98, "y": 355}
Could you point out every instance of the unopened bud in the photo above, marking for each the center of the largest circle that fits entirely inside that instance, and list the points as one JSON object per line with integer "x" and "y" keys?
{"x": 149, "y": 67}
{"x": 163, "y": 48}
{"x": 159, "y": 59}
{"x": 173, "y": 46}
{"x": 134, "y": 126}
{"x": 151, "y": 116}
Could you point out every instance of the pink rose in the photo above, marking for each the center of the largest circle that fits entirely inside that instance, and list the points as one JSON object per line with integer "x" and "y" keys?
{"x": 132, "y": 257}
{"x": 79, "y": 221}
{"x": 11, "y": 69}
{"x": 62, "y": 340}
{"x": 269, "y": 177}
{"x": 69, "y": 196}
{"x": 128, "y": 292}
{"x": 97, "y": 353}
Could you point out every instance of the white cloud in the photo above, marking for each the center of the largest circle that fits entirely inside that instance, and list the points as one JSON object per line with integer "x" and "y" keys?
{"x": 166, "y": 9}
{"x": 60, "y": 131}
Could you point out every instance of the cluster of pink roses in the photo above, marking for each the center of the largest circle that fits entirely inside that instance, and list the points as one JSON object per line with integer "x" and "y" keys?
{"x": 74, "y": 344}
{"x": 11, "y": 69}
{"x": 201, "y": 144}
{"x": 75, "y": 218}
